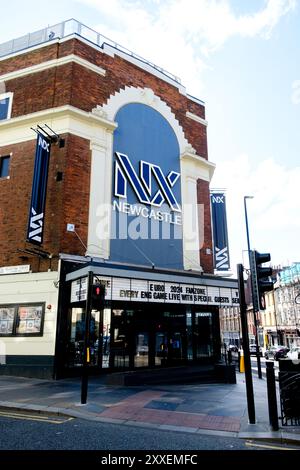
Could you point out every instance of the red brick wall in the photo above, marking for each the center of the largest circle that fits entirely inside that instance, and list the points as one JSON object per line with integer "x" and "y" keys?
{"x": 30, "y": 58}
{"x": 206, "y": 259}
{"x": 76, "y": 195}
{"x": 67, "y": 202}
{"x": 76, "y": 85}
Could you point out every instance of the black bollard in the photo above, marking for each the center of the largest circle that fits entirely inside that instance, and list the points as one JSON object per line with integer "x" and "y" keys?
{"x": 272, "y": 399}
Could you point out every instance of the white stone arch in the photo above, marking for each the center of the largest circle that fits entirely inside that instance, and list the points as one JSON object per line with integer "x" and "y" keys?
{"x": 192, "y": 167}
{"x": 145, "y": 96}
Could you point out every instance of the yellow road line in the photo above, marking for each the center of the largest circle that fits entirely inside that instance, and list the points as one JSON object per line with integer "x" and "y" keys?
{"x": 266, "y": 446}
{"x": 29, "y": 417}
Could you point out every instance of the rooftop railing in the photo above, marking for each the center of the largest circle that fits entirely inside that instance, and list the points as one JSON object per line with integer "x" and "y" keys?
{"x": 68, "y": 28}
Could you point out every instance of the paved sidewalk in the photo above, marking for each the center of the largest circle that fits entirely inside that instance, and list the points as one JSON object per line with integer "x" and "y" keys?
{"x": 197, "y": 408}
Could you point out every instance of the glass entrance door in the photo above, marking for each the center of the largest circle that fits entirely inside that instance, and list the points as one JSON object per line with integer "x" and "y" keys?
{"x": 121, "y": 339}
{"x": 203, "y": 335}
{"x": 141, "y": 357}
{"x": 147, "y": 337}
{"x": 170, "y": 338}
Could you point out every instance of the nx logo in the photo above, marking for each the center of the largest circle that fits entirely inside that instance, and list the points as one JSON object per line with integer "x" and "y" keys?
{"x": 36, "y": 224}
{"x": 218, "y": 199}
{"x": 142, "y": 184}
{"x": 44, "y": 144}
{"x": 222, "y": 258}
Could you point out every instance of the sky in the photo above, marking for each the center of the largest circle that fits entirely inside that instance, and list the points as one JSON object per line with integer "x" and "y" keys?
{"x": 241, "y": 57}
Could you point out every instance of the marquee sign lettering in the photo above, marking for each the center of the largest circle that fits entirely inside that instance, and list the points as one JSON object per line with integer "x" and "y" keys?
{"x": 140, "y": 290}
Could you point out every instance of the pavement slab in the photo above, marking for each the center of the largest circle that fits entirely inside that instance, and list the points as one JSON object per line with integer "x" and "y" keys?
{"x": 193, "y": 408}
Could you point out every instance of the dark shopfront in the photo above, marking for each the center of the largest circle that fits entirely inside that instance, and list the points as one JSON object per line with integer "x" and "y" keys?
{"x": 154, "y": 326}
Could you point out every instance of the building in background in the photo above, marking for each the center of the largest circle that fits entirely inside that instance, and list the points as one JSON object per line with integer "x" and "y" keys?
{"x": 269, "y": 321}
{"x": 287, "y": 293}
{"x": 104, "y": 168}
{"x": 230, "y": 325}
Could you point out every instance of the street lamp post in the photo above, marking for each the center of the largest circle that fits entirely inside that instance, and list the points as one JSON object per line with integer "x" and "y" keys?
{"x": 254, "y": 312}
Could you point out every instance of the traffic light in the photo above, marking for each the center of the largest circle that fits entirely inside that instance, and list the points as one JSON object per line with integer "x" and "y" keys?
{"x": 262, "y": 275}
{"x": 98, "y": 296}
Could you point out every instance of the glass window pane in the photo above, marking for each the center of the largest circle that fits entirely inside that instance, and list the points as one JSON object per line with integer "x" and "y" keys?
{"x": 4, "y": 167}
{"x": 4, "y": 108}
{"x": 120, "y": 338}
{"x": 141, "y": 358}
{"x": 75, "y": 345}
{"x": 106, "y": 337}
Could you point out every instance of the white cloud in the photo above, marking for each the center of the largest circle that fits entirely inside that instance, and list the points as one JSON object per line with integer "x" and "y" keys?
{"x": 263, "y": 22}
{"x": 273, "y": 213}
{"x": 181, "y": 34}
{"x": 296, "y": 92}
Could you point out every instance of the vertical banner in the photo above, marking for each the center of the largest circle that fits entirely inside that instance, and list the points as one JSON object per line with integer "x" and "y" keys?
{"x": 38, "y": 195}
{"x": 219, "y": 223}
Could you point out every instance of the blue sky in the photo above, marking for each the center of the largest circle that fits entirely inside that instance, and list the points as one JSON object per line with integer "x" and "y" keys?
{"x": 242, "y": 59}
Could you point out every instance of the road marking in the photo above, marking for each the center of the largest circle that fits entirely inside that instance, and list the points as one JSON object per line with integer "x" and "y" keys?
{"x": 31, "y": 417}
{"x": 266, "y": 446}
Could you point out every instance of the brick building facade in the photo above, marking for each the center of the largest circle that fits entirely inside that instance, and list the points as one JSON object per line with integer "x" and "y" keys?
{"x": 78, "y": 89}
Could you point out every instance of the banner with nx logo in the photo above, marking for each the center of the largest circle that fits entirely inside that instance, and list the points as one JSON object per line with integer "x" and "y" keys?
{"x": 38, "y": 195}
{"x": 220, "y": 235}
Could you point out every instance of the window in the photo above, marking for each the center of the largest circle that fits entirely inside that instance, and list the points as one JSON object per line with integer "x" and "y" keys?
{"x": 5, "y": 105}
{"x": 7, "y": 316}
{"x": 4, "y": 166}
{"x": 22, "y": 320}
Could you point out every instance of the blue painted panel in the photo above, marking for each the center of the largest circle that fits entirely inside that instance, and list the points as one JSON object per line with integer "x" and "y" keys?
{"x": 144, "y": 135}
{"x": 4, "y": 108}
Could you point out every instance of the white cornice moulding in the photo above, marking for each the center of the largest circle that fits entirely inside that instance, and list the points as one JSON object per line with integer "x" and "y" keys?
{"x": 197, "y": 161}
{"x": 53, "y": 63}
{"x": 64, "y": 119}
{"x": 196, "y": 118}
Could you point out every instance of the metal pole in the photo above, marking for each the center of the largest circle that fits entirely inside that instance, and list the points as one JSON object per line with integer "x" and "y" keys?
{"x": 272, "y": 400}
{"x": 248, "y": 372}
{"x": 86, "y": 352}
{"x": 252, "y": 290}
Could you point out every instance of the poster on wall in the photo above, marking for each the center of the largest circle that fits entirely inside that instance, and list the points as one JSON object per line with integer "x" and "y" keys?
{"x": 30, "y": 319}
{"x": 36, "y": 218}
{"x": 6, "y": 320}
{"x": 220, "y": 233}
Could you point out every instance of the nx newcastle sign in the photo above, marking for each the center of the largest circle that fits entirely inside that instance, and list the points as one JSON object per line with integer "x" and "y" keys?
{"x": 151, "y": 187}
{"x": 38, "y": 195}
{"x": 146, "y": 214}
